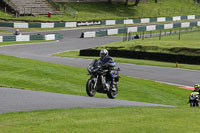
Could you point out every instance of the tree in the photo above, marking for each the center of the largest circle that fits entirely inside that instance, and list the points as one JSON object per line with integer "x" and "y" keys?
{"x": 126, "y": 3}
{"x": 196, "y": 1}
{"x": 109, "y": 1}
{"x": 137, "y": 2}
{"x": 156, "y": 1}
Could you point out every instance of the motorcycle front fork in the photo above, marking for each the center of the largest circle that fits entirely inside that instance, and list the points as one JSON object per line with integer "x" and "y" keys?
{"x": 103, "y": 80}
{"x": 95, "y": 82}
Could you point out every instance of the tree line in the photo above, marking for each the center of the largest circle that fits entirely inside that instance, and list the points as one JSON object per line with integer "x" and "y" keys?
{"x": 138, "y": 1}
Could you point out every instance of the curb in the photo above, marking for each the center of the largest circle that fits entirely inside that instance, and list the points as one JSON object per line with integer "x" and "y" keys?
{"x": 18, "y": 38}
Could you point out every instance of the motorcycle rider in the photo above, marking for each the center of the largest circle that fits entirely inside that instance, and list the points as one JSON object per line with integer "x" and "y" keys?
{"x": 107, "y": 63}
{"x": 196, "y": 88}
{"x": 17, "y": 32}
{"x": 195, "y": 92}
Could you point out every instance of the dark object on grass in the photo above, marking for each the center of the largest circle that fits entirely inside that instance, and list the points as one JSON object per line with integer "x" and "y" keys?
{"x": 137, "y": 36}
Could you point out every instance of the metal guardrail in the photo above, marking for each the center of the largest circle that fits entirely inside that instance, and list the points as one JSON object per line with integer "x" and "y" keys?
{"x": 70, "y": 11}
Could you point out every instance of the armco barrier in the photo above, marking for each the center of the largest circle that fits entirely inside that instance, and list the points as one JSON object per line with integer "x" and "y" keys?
{"x": 100, "y": 33}
{"x": 146, "y": 55}
{"x": 102, "y": 22}
{"x": 18, "y": 38}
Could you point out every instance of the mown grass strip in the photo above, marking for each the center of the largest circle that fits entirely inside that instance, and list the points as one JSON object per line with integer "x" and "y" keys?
{"x": 3, "y": 31}
{"x": 112, "y": 120}
{"x": 23, "y": 42}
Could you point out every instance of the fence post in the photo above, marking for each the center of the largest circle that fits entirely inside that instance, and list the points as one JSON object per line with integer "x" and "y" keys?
{"x": 64, "y": 9}
{"x": 176, "y": 64}
{"x": 126, "y": 36}
{"x": 160, "y": 35}
{"x": 60, "y": 7}
{"x": 16, "y": 14}
{"x": 179, "y": 37}
{"x": 143, "y": 35}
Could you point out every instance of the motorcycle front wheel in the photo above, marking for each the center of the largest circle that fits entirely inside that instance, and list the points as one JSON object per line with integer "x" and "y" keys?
{"x": 112, "y": 94}
{"x": 91, "y": 91}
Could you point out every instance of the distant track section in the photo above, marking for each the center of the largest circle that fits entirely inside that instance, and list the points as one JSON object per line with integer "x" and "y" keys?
{"x": 153, "y": 27}
{"x": 102, "y": 22}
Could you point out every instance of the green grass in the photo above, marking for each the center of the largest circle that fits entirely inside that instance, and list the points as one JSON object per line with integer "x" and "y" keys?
{"x": 3, "y": 31}
{"x": 102, "y": 10}
{"x": 42, "y": 76}
{"x": 188, "y": 45}
{"x": 75, "y": 54}
{"x": 4, "y": 15}
{"x": 23, "y": 42}
{"x": 107, "y": 120}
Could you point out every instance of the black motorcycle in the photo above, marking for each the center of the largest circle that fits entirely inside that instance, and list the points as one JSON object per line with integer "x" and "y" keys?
{"x": 194, "y": 99}
{"x": 99, "y": 81}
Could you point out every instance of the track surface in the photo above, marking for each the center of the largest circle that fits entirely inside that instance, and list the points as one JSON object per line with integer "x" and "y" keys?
{"x": 26, "y": 100}
{"x": 12, "y": 100}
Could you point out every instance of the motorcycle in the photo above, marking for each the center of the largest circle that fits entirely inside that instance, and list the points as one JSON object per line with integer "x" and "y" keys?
{"x": 99, "y": 81}
{"x": 194, "y": 99}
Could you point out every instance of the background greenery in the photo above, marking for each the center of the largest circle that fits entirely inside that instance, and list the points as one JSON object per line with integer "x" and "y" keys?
{"x": 103, "y": 10}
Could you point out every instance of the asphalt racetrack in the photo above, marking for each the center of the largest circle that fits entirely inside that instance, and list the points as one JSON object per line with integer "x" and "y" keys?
{"x": 14, "y": 100}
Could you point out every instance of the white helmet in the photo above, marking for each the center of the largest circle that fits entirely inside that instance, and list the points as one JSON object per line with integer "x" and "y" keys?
{"x": 103, "y": 53}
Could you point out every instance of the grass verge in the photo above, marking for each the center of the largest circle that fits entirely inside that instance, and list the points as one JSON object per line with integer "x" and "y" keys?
{"x": 23, "y": 42}
{"x": 4, "y": 32}
{"x": 188, "y": 44}
{"x": 108, "y": 120}
{"x": 43, "y": 76}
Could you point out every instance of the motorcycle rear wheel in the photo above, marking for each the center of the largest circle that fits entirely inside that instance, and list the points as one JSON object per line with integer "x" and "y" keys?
{"x": 192, "y": 104}
{"x": 196, "y": 104}
{"x": 112, "y": 94}
{"x": 91, "y": 91}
